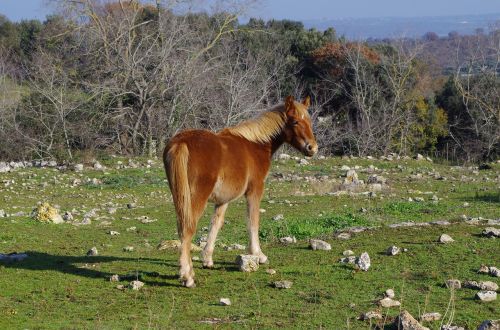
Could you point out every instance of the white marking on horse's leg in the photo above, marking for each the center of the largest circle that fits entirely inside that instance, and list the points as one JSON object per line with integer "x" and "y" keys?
{"x": 186, "y": 271}
{"x": 253, "y": 204}
{"x": 215, "y": 225}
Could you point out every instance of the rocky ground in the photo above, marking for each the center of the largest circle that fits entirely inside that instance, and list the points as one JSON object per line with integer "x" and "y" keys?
{"x": 353, "y": 243}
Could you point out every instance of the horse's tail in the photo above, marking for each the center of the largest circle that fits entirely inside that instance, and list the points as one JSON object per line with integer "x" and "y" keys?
{"x": 176, "y": 163}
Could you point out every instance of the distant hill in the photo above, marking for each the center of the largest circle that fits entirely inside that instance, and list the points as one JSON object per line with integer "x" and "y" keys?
{"x": 389, "y": 27}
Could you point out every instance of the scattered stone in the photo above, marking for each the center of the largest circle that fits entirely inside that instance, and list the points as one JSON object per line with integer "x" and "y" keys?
{"x": 485, "y": 286}
{"x": 347, "y": 253}
{"x": 169, "y": 244}
{"x": 486, "y": 295}
{"x": 131, "y": 205}
{"x": 453, "y": 284}
{"x": 224, "y": 302}
{"x": 344, "y": 236}
{"x": 348, "y": 260}
{"x": 113, "y": 233}
{"x": 114, "y": 278}
{"x": 3, "y": 214}
{"x": 98, "y": 166}
{"x": 392, "y": 251}
{"x": 317, "y": 244}
{"x": 132, "y": 228}
{"x": 288, "y": 240}
{"x": 92, "y": 252}
{"x": 489, "y": 325}
{"x": 303, "y": 162}
{"x": 136, "y": 285}
{"x": 444, "y": 238}
{"x": 483, "y": 269}
{"x": 78, "y": 167}
{"x": 491, "y": 232}
{"x": 112, "y": 210}
{"x": 46, "y": 213}
{"x": 278, "y": 217}
{"x": 283, "y": 284}
{"x": 376, "y": 179}
{"x": 430, "y": 317}
{"x": 235, "y": 246}
{"x": 363, "y": 262}
{"x": 128, "y": 248}
{"x": 247, "y": 262}
{"x": 465, "y": 204}
{"x": 451, "y": 327}
{"x": 284, "y": 156}
{"x": 494, "y": 271}
{"x": 370, "y": 315}
{"x": 270, "y": 271}
{"x": 405, "y": 321}
{"x": 389, "y": 293}
{"x": 388, "y": 303}
{"x": 120, "y": 287}
{"x": 351, "y": 178}
{"x": 67, "y": 216}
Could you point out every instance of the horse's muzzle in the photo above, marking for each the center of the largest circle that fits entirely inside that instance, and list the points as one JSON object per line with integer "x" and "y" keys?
{"x": 310, "y": 149}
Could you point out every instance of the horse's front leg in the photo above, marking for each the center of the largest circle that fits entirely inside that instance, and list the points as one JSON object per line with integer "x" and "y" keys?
{"x": 215, "y": 225}
{"x": 253, "y": 205}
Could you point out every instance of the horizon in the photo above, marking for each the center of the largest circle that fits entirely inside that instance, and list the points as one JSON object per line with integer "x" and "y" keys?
{"x": 283, "y": 9}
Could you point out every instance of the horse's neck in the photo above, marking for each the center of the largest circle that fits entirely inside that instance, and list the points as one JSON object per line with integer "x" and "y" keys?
{"x": 276, "y": 143}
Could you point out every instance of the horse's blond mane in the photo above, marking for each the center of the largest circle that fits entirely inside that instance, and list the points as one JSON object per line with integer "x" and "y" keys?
{"x": 265, "y": 126}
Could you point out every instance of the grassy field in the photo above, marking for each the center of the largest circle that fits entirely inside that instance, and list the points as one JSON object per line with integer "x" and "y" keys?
{"x": 58, "y": 286}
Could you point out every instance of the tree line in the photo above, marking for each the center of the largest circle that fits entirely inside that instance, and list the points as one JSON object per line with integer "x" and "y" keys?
{"x": 122, "y": 77}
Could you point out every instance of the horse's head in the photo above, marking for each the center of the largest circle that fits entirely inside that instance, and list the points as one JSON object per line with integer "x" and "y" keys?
{"x": 298, "y": 129}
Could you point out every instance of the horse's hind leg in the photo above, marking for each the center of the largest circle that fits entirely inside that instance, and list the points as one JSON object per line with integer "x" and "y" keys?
{"x": 215, "y": 225}
{"x": 186, "y": 272}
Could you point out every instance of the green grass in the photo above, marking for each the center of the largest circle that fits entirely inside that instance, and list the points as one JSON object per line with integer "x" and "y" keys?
{"x": 58, "y": 287}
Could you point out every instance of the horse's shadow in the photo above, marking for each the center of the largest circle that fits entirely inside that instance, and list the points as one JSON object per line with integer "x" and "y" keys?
{"x": 83, "y": 266}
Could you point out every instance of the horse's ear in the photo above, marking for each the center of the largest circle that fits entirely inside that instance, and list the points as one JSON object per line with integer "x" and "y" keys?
{"x": 307, "y": 102}
{"x": 289, "y": 106}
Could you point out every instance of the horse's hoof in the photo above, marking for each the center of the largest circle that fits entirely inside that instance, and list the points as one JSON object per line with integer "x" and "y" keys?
{"x": 263, "y": 259}
{"x": 189, "y": 283}
{"x": 208, "y": 265}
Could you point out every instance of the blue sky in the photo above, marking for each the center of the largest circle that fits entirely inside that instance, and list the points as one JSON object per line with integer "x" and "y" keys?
{"x": 310, "y": 9}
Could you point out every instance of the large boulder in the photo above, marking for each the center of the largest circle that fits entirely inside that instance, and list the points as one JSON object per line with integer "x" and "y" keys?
{"x": 47, "y": 213}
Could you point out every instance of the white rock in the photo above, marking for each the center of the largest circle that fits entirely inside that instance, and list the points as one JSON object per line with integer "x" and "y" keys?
{"x": 136, "y": 285}
{"x": 288, "y": 240}
{"x": 363, "y": 261}
{"x": 489, "y": 325}
{"x": 494, "y": 271}
{"x": 389, "y": 293}
{"x": 93, "y": 252}
{"x": 113, "y": 233}
{"x": 347, "y": 253}
{"x": 283, "y": 284}
{"x": 343, "y": 236}
{"x": 371, "y": 315}
{"x": 317, "y": 244}
{"x": 284, "y": 156}
{"x": 486, "y": 295}
{"x": 128, "y": 248}
{"x": 270, "y": 271}
{"x": 278, "y": 217}
{"x": 114, "y": 278}
{"x": 392, "y": 251}
{"x": 444, "y": 238}
{"x": 225, "y": 302}
{"x": 388, "y": 303}
{"x": 247, "y": 262}
{"x": 429, "y": 317}
{"x": 407, "y": 322}
{"x": 78, "y": 167}
{"x": 453, "y": 284}
{"x": 491, "y": 232}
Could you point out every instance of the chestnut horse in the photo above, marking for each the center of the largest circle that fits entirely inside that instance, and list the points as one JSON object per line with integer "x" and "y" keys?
{"x": 202, "y": 165}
